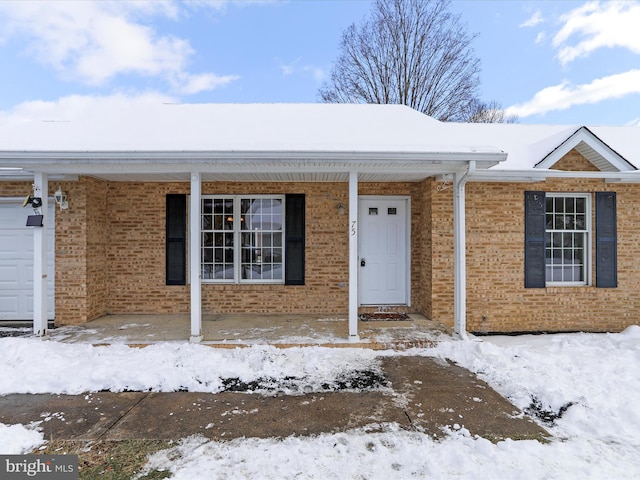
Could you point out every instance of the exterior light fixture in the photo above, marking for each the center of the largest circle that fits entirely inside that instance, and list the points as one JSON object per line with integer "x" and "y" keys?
{"x": 61, "y": 199}
{"x": 341, "y": 209}
{"x": 36, "y": 203}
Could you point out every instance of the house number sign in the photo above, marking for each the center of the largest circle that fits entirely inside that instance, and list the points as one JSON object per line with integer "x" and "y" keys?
{"x": 353, "y": 228}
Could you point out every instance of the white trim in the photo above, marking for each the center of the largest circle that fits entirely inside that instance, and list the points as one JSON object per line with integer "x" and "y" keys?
{"x": 459, "y": 251}
{"x": 353, "y": 257}
{"x": 40, "y": 234}
{"x": 352, "y": 157}
{"x": 584, "y": 135}
{"x": 237, "y": 239}
{"x": 194, "y": 258}
{"x": 537, "y": 175}
{"x": 588, "y": 235}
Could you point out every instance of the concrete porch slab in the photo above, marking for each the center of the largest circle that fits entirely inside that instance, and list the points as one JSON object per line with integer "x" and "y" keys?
{"x": 233, "y": 330}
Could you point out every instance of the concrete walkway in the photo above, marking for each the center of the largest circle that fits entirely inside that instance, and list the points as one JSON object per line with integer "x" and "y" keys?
{"x": 425, "y": 394}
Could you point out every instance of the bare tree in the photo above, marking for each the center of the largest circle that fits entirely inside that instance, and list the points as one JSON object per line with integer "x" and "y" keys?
{"x": 489, "y": 112}
{"x": 412, "y": 52}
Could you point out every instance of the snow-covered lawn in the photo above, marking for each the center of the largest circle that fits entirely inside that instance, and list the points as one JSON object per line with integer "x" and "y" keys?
{"x": 592, "y": 380}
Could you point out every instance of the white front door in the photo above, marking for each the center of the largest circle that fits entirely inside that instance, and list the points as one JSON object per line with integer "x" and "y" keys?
{"x": 383, "y": 251}
{"x": 16, "y": 261}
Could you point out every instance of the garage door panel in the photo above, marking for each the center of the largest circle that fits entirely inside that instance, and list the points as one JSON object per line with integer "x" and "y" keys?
{"x": 8, "y": 276}
{"x": 16, "y": 261}
{"x": 8, "y": 306}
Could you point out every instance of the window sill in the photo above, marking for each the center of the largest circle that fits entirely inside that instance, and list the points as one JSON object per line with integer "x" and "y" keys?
{"x": 564, "y": 289}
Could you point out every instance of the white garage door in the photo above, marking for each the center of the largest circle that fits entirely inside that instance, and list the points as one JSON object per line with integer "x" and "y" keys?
{"x": 16, "y": 261}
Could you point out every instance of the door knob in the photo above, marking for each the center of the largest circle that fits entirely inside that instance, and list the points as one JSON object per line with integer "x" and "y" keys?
{"x": 363, "y": 262}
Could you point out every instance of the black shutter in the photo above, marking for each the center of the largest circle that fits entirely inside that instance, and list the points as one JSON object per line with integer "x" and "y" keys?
{"x": 294, "y": 241}
{"x": 606, "y": 240}
{"x": 176, "y": 240}
{"x": 534, "y": 239}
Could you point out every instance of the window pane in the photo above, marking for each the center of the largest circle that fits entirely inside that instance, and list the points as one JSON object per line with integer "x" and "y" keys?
{"x": 257, "y": 223}
{"x": 217, "y": 239}
{"x": 566, "y": 239}
{"x": 559, "y": 205}
{"x": 261, "y": 232}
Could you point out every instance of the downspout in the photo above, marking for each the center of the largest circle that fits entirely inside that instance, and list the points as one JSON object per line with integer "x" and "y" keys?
{"x": 459, "y": 251}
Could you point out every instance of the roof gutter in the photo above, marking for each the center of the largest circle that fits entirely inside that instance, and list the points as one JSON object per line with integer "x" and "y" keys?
{"x": 492, "y": 156}
{"x": 537, "y": 175}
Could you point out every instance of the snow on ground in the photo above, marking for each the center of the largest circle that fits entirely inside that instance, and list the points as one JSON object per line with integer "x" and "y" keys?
{"x": 592, "y": 381}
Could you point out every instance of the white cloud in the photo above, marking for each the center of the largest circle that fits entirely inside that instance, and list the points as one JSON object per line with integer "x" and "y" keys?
{"x": 565, "y": 95}
{"x": 293, "y": 68}
{"x": 189, "y": 84}
{"x": 594, "y": 25}
{"x": 533, "y": 20}
{"x": 288, "y": 68}
{"x": 93, "y": 42}
{"x": 541, "y": 37}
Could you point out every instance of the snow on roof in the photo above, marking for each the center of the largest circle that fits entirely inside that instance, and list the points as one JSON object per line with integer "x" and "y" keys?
{"x": 526, "y": 145}
{"x": 229, "y": 127}
{"x": 118, "y": 125}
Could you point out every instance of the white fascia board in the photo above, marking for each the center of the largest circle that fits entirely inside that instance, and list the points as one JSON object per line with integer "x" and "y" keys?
{"x": 537, "y": 175}
{"x": 583, "y": 134}
{"x": 27, "y": 175}
{"x": 177, "y": 162}
{"x": 489, "y": 155}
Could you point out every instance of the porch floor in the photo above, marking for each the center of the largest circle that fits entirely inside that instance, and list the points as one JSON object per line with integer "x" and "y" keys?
{"x": 232, "y": 330}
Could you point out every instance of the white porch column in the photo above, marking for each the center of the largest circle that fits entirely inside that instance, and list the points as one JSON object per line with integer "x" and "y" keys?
{"x": 195, "y": 274}
{"x": 40, "y": 189}
{"x": 353, "y": 257}
{"x": 459, "y": 251}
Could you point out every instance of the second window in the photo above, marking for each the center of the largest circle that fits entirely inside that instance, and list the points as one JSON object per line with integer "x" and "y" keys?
{"x": 242, "y": 239}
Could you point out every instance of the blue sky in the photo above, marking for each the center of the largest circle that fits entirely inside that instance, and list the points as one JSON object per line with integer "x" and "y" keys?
{"x": 568, "y": 62}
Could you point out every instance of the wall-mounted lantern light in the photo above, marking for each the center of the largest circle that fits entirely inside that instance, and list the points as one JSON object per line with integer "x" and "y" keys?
{"x": 61, "y": 199}
{"x": 341, "y": 209}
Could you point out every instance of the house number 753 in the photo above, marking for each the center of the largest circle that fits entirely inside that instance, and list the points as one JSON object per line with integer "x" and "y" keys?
{"x": 353, "y": 227}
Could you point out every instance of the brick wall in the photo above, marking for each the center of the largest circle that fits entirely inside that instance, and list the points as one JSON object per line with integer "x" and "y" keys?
{"x": 110, "y": 251}
{"x": 496, "y": 298}
{"x": 110, "y": 254}
{"x": 135, "y": 251}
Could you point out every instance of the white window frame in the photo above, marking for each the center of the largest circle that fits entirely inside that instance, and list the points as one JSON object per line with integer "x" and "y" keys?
{"x": 237, "y": 240}
{"x": 587, "y": 232}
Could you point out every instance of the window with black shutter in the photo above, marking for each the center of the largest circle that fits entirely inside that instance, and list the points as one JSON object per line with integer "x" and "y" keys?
{"x": 253, "y": 239}
{"x": 558, "y": 236}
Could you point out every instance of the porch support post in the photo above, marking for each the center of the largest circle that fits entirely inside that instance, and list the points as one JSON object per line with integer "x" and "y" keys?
{"x": 459, "y": 251}
{"x": 353, "y": 257}
{"x": 195, "y": 275}
{"x": 40, "y": 189}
